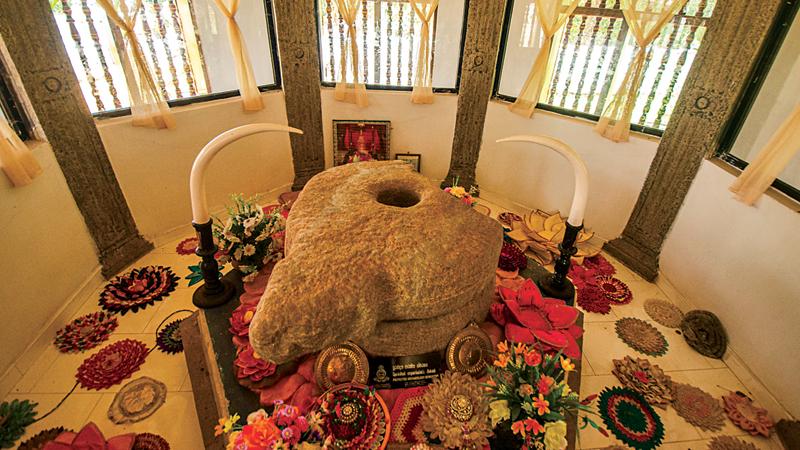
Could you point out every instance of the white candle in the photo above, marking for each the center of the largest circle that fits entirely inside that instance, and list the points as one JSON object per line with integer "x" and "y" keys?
{"x": 581, "y": 194}
{"x": 197, "y": 178}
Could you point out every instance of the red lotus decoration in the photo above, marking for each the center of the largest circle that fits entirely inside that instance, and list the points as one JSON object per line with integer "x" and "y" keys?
{"x": 531, "y": 318}
{"x": 248, "y": 365}
{"x": 90, "y": 437}
{"x": 240, "y": 323}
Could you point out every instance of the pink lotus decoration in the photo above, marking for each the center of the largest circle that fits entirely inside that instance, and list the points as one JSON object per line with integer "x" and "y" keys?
{"x": 248, "y": 365}
{"x": 530, "y": 318}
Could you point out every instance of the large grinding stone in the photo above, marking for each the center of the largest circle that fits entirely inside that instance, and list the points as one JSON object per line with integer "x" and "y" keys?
{"x": 377, "y": 255}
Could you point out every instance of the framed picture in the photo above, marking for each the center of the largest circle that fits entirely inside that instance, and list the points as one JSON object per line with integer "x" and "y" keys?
{"x": 415, "y": 159}
{"x": 360, "y": 140}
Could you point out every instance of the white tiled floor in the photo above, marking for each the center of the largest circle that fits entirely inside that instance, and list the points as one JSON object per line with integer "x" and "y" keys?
{"x": 53, "y": 373}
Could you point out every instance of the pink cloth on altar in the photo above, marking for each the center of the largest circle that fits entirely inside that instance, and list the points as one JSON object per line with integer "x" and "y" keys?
{"x": 298, "y": 389}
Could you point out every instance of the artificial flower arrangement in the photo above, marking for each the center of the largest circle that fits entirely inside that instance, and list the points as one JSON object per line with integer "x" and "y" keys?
{"x": 286, "y": 429}
{"x": 530, "y": 398}
{"x": 461, "y": 193}
{"x": 250, "y": 238}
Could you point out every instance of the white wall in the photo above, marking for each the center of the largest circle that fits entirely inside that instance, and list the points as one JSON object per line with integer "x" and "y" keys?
{"x": 424, "y": 129}
{"x": 740, "y": 262}
{"x": 153, "y": 166}
{"x": 47, "y": 255}
{"x": 539, "y": 178}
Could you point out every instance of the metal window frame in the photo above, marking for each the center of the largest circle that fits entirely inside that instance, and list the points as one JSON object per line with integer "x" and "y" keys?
{"x": 768, "y": 53}
{"x": 386, "y": 87}
{"x": 544, "y": 106}
{"x": 275, "y": 86}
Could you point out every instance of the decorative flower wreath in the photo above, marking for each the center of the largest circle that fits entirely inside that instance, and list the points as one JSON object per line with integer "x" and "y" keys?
{"x": 38, "y": 440}
{"x": 169, "y": 338}
{"x": 698, "y": 407}
{"x": 112, "y": 364}
{"x": 742, "y": 412}
{"x": 456, "y": 412}
{"x": 150, "y": 441}
{"x": 626, "y": 413}
{"x": 646, "y": 379}
{"x": 187, "y": 246}
{"x": 138, "y": 289}
{"x": 641, "y": 336}
{"x": 250, "y": 366}
{"x": 137, "y": 400}
{"x": 16, "y": 416}
{"x": 615, "y": 289}
{"x": 85, "y": 332}
{"x": 355, "y": 417}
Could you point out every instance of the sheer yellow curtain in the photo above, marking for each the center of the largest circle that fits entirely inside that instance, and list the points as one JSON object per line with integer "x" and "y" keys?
{"x": 248, "y": 89}
{"x": 148, "y": 107}
{"x": 346, "y": 92}
{"x": 18, "y": 162}
{"x": 646, "y": 19}
{"x": 423, "y": 80}
{"x": 552, "y": 14}
{"x": 770, "y": 161}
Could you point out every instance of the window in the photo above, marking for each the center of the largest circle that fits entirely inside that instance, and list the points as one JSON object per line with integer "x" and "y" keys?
{"x": 10, "y": 110}
{"x": 185, "y": 43}
{"x": 592, "y": 53}
{"x": 388, "y": 43}
{"x": 768, "y": 101}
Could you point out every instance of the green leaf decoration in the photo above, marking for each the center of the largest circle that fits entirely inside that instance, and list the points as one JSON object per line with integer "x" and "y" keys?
{"x": 14, "y": 418}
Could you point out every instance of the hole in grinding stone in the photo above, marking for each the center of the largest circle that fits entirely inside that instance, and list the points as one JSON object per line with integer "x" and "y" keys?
{"x": 399, "y": 197}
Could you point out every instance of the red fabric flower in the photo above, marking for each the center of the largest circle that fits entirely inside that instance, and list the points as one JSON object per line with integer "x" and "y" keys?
{"x": 546, "y": 322}
{"x": 511, "y": 258}
{"x": 544, "y": 384}
{"x": 90, "y": 437}
{"x": 187, "y": 246}
{"x": 248, "y": 365}
{"x": 240, "y": 323}
{"x": 112, "y": 364}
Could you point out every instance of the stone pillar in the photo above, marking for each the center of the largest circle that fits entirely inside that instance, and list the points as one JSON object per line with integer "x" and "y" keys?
{"x": 34, "y": 44}
{"x": 718, "y": 76}
{"x": 481, "y": 44}
{"x": 298, "y": 45}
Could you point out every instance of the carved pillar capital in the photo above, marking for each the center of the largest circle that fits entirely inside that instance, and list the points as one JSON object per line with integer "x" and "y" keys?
{"x": 719, "y": 74}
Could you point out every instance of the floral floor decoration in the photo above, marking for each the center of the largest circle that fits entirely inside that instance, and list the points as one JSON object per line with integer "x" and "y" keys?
{"x": 138, "y": 289}
{"x": 168, "y": 338}
{"x": 614, "y": 289}
{"x": 632, "y": 420}
{"x": 38, "y": 440}
{"x": 15, "y": 416}
{"x": 698, "y": 407}
{"x": 745, "y": 415}
{"x": 85, "y": 332}
{"x": 150, "y": 441}
{"x": 646, "y": 379}
{"x": 137, "y": 400}
{"x": 730, "y": 443}
{"x": 187, "y": 246}
{"x": 112, "y": 364}
{"x": 663, "y": 312}
{"x": 589, "y": 294}
{"x": 641, "y": 336}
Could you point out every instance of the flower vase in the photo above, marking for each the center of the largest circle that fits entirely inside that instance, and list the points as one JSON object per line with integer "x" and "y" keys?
{"x": 504, "y": 438}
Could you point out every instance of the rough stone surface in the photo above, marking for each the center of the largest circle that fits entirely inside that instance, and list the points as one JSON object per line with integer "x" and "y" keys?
{"x": 396, "y": 280}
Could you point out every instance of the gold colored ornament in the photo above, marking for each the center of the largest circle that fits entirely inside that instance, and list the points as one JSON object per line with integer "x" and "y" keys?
{"x": 339, "y": 364}
{"x": 456, "y": 411}
{"x": 539, "y": 233}
{"x": 460, "y": 408}
{"x": 349, "y": 413}
{"x": 469, "y": 351}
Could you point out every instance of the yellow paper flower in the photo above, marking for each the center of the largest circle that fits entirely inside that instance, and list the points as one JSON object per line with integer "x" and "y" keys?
{"x": 525, "y": 390}
{"x": 520, "y": 348}
{"x": 226, "y": 425}
{"x": 567, "y": 365}
{"x": 498, "y": 411}
{"x": 555, "y": 435}
{"x": 307, "y": 446}
{"x": 566, "y": 390}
